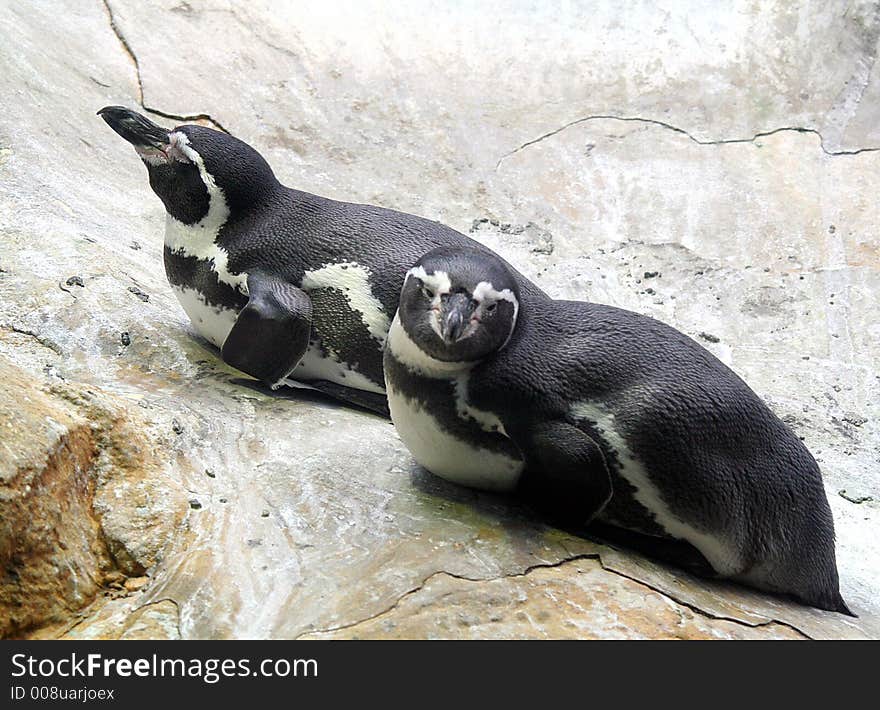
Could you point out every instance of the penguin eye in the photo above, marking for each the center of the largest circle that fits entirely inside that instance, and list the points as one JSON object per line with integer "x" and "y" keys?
{"x": 426, "y": 292}
{"x": 491, "y": 307}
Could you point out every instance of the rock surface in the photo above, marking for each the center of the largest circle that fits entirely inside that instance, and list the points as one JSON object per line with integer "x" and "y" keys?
{"x": 68, "y": 459}
{"x": 714, "y": 167}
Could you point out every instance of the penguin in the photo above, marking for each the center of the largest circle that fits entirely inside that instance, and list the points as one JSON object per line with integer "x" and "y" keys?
{"x": 594, "y": 413}
{"x": 293, "y": 288}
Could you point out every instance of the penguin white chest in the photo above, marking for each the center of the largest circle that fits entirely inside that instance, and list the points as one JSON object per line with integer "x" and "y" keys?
{"x": 213, "y": 323}
{"x": 197, "y": 241}
{"x": 448, "y": 456}
{"x": 460, "y": 459}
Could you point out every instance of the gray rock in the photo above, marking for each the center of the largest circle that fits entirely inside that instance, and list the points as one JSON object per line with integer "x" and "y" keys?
{"x": 734, "y": 140}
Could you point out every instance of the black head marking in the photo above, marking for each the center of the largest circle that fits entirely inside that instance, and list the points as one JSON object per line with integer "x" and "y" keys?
{"x": 181, "y": 189}
{"x": 459, "y": 305}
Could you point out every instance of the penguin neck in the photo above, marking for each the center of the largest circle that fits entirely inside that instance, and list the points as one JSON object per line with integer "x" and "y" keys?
{"x": 405, "y": 351}
{"x": 200, "y": 240}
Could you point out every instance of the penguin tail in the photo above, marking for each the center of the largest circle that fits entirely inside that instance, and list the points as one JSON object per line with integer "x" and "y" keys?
{"x": 831, "y": 602}
{"x": 841, "y": 607}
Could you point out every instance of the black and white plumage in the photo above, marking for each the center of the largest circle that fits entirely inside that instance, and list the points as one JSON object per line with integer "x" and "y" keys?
{"x": 593, "y": 412}
{"x": 290, "y": 286}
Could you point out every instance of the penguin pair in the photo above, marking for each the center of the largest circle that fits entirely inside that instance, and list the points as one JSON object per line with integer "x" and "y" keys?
{"x": 590, "y": 412}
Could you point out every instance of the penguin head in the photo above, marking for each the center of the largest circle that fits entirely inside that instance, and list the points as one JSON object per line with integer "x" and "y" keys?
{"x": 189, "y": 166}
{"x": 459, "y": 304}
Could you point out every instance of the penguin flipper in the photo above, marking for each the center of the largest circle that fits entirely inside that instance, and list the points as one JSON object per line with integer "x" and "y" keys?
{"x": 565, "y": 476}
{"x": 271, "y": 333}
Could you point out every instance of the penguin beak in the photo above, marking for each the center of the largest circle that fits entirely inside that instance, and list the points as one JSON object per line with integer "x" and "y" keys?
{"x": 455, "y": 314}
{"x": 138, "y": 130}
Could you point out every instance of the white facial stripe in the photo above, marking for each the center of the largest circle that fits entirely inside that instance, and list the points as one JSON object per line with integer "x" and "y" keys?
{"x": 723, "y": 558}
{"x": 353, "y": 280}
{"x": 438, "y": 282}
{"x": 180, "y": 142}
{"x": 199, "y": 240}
{"x": 485, "y": 290}
{"x": 485, "y": 293}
